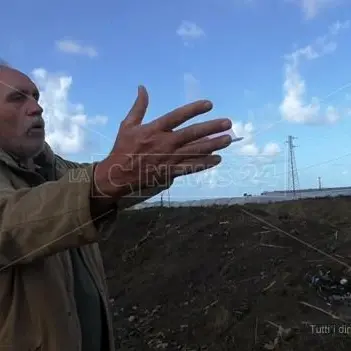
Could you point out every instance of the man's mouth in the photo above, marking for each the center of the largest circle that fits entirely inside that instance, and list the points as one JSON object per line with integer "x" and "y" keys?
{"x": 37, "y": 128}
{"x": 37, "y": 125}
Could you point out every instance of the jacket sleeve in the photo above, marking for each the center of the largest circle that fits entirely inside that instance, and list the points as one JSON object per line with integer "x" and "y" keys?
{"x": 43, "y": 220}
{"x": 126, "y": 201}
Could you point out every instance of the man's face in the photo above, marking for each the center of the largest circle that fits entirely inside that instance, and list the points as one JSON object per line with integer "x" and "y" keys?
{"x": 21, "y": 124}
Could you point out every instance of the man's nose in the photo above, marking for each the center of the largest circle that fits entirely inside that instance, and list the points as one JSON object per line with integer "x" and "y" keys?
{"x": 33, "y": 108}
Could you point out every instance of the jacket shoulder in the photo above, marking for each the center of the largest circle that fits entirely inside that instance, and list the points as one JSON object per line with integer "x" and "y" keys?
{"x": 62, "y": 165}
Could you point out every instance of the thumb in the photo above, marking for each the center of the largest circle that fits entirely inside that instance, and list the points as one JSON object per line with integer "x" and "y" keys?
{"x": 137, "y": 112}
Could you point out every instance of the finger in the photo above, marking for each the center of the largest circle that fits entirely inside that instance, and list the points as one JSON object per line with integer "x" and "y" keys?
{"x": 137, "y": 112}
{"x": 196, "y": 165}
{"x": 180, "y": 115}
{"x": 204, "y": 148}
{"x": 201, "y": 140}
{"x": 200, "y": 130}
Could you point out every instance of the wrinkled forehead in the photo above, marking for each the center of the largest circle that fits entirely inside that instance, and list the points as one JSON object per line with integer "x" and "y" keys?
{"x": 13, "y": 80}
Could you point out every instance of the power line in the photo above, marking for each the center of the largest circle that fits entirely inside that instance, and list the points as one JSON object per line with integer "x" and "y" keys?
{"x": 317, "y": 164}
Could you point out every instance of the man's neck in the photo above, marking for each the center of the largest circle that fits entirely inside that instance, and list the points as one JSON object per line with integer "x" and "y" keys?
{"x": 27, "y": 163}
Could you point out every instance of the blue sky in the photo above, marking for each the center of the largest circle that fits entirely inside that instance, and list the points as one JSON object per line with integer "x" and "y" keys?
{"x": 275, "y": 67}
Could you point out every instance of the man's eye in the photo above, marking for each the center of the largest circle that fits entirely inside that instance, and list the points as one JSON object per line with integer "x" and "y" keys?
{"x": 17, "y": 97}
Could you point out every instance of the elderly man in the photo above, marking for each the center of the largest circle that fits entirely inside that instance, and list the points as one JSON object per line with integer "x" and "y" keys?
{"x": 53, "y": 293}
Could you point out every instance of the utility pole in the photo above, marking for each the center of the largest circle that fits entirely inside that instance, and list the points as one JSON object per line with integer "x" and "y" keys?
{"x": 319, "y": 183}
{"x": 293, "y": 178}
{"x": 162, "y": 199}
{"x": 169, "y": 198}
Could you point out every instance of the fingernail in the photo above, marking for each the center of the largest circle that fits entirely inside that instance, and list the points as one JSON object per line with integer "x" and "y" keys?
{"x": 208, "y": 104}
{"x": 227, "y": 123}
{"x": 217, "y": 158}
{"x": 228, "y": 139}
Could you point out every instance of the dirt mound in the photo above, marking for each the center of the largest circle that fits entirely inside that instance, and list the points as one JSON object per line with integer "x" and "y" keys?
{"x": 229, "y": 278}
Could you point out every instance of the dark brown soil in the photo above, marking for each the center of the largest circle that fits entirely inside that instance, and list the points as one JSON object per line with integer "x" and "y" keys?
{"x": 221, "y": 279}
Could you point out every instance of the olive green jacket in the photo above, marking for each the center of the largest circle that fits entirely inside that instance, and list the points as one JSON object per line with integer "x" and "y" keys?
{"x": 42, "y": 215}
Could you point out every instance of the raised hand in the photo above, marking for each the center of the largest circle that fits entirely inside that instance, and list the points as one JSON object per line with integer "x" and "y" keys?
{"x": 153, "y": 154}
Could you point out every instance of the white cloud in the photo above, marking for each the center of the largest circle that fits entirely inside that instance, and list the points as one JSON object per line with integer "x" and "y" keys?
{"x": 311, "y": 8}
{"x": 338, "y": 26}
{"x": 332, "y": 114}
{"x": 248, "y": 146}
{"x": 249, "y": 150}
{"x": 66, "y": 123}
{"x": 251, "y": 163}
{"x": 207, "y": 178}
{"x": 190, "y": 31}
{"x": 271, "y": 149}
{"x": 73, "y": 47}
{"x": 191, "y": 87}
{"x": 294, "y": 107}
